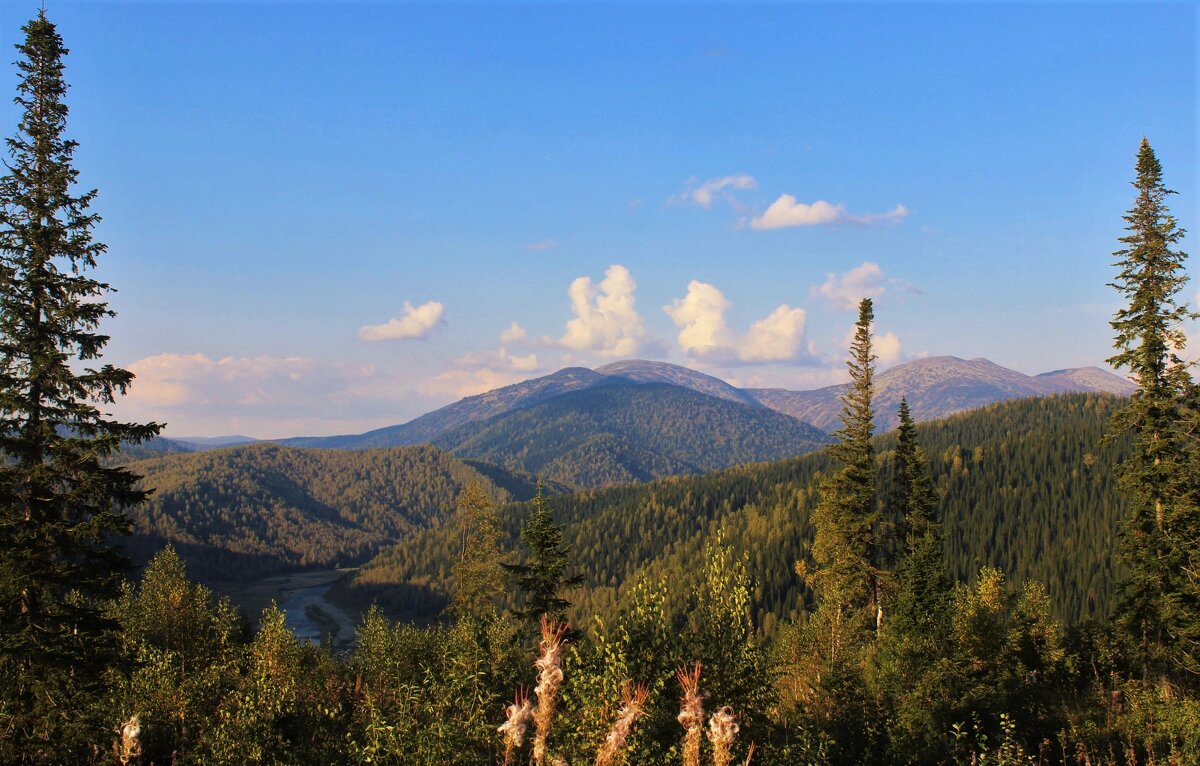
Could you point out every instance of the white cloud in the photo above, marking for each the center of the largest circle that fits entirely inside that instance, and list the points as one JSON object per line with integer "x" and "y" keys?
{"x": 546, "y": 244}
{"x": 606, "y": 321}
{"x": 417, "y": 322}
{"x": 700, "y": 317}
{"x": 704, "y": 194}
{"x": 705, "y": 335}
{"x": 197, "y": 395}
{"x": 514, "y": 332}
{"x": 477, "y": 372}
{"x": 777, "y": 338}
{"x": 887, "y": 348}
{"x": 788, "y": 211}
{"x": 462, "y": 383}
{"x": 865, "y": 281}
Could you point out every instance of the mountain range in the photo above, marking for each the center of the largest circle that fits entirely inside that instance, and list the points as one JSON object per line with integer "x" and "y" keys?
{"x": 939, "y": 386}
{"x": 935, "y": 387}
{"x": 638, "y": 420}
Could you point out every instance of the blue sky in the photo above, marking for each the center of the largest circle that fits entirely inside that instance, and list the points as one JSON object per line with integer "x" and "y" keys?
{"x": 280, "y": 181}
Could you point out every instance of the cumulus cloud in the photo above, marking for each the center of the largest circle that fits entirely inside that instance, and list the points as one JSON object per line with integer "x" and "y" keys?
{"x": 700, "y": 317}
{"x": 845, "y": 291}
{"x": 477, "y": 372}
{"x": 606, "y": 321}
{"x": 704, "y": 333}
{"x": 417, "y": 322}
{"x": 887, "y": 348}
{"x": 514, "y": 333}
{"x": 198, "y": 395}
{"x": 788, "y": 211}
{"x": 704, "y": 194}
{"x": 777, "y": 338}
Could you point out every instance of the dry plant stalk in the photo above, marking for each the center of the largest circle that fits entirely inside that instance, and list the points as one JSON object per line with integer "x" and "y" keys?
{"x": 550, "y": 677}
{"x": 130, "y": 746}
{"x": 749, "y": 754}
{"x": 691, "y": 713}
{"x": 633, "y": 705}
{"x": 722, "y": 730}
{"x": 516, "y": 718}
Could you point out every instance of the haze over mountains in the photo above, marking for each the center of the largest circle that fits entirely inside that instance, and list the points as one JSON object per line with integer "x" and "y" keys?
{"x": 938, "y": 386}
{"x": 935, "y": 387}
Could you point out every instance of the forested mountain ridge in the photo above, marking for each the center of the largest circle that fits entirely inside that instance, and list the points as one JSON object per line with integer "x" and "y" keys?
{"x": 261, "y": 509}
{"x": 939, "y": 386}
{"x": 473, "y": 408}
{"x": 1025, "y": 485}
{"x": 935, "y": 387}
{"x": 612, "y": 434}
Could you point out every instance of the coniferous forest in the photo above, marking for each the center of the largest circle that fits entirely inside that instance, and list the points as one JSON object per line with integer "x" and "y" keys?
{"x": 1019, "y": 584}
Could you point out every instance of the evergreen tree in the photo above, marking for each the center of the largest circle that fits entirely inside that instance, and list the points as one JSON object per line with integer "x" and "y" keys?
{"x": 845, "y": 548}
{"x": 59, "y": 504}
{"x": 543, "y": 576}
{"x": 478, "y": 576}
{"x": 923, "y": 589}
{"x": 1161, "y": 613}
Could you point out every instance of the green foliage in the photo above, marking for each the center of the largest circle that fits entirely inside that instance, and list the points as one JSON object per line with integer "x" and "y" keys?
{"x": 722, "y": 636}
{"x": 543, "y": 575}
{"x": 845, "y": 547}
{"x": 1161, "y": 605}
{"x": 259, "y": 510}
{"x": 430, "y": 695}
{"x": 478, "y": 576}
{"x": 186, "y": 647}
{"x": 1009, "y": 656}
{"x": 60, "y": 502}
{"x": 286, "y": 707}
{"x": 640, "y": 648}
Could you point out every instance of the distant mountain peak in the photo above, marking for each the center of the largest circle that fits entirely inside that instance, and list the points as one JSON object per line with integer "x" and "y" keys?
{"x": 937, "y": 386}
{"x": 646, "y": 371}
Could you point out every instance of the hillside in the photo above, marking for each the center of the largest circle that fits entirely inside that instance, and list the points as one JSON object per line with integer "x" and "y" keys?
{"x": 644, "y": 371}
{"x": 937, "y": 387}
{"x": 471, "y": 409}
{"x": 617, "y": 433}
{"x": 1026, "y": 487}
{"x": 250, "y": 511}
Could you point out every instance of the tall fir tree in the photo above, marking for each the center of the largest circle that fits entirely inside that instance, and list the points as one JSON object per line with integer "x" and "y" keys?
{"x": 1161, "y": 609}
{"x": 922, "y": 586}
{"x": 846, "y": 546}
{"x": 543, "y": 577}
{"x": 60, "y": 505}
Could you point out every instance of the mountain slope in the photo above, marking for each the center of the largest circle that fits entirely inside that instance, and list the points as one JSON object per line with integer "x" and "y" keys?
{"x": 262, "y": 509}
{"x": 616, "y": 433}
{"x": 936, "y": 387}
{"x": 1025, "y": 486}
{"x": 1088, "y": 379}
{"x": 473, "y": 408}
{"x": 644, "y": 371}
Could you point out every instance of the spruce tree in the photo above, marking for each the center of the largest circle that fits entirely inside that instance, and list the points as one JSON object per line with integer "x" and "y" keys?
{"x": 923, "y": 589}
{"x": 60, "y": 503}
{"x": 1161, "y": 609}
{"x": 845, "y": 547}
{"x": 543, "y": 577}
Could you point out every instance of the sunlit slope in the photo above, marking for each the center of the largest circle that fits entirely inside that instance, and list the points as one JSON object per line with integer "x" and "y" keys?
{"x": 1026, "y": 486}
